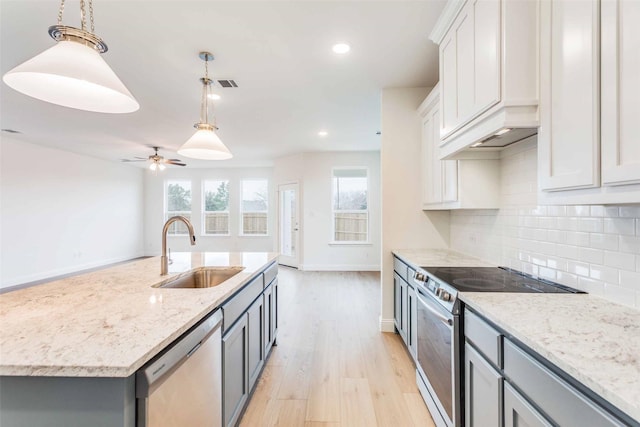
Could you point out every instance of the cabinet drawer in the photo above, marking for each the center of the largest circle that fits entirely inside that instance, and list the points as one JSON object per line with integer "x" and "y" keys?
{"x": 400, "y": 268}
{"x": 239, "y": 303}
{"x": 486, "y": 339}
{"x": 270, "y": 273}
{"x": 561, "y": 402}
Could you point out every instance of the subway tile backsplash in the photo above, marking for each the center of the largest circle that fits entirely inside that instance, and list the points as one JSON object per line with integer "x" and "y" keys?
{"x": 592, "y": 248}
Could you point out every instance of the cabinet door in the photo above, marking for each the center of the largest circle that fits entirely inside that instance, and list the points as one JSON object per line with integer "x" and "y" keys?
{"x": 400, "y": 299}
{"x": 569, "y": 134}
{"x": 518, "y": 412}
{"x": 449, "y": 85}
{"x": 412, "y": 320}
{"x": 255, "y": 349}
{"x": 620, "y": 91}
{"x": 270, "y": 315}
{"x": 432, "y": 165}
{"x": 235, "y": 381}
{"x": 486, "y": 54}
{"x": 465, "y": 58}
{"x": 483, "y": 391}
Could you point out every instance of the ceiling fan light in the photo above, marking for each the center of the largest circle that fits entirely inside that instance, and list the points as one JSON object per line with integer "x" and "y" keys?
{"x": 161, "y": 166}
{"x": 153, "y": 166}
{"x": 73, "y": 75}
{"x": 205, "y": 145}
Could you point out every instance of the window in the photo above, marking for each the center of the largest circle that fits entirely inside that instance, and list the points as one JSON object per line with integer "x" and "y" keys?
{"x": 350, "y": 206}
{"x": 178, "y": 202}
{"x": 254, "y": 207}
{"x": 216, "y": 208}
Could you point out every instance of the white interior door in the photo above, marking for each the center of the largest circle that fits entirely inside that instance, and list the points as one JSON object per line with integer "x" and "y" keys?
{"x": 289, "y": 225}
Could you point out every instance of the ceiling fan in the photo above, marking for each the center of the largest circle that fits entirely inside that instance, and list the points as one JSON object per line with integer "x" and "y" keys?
{"x": 156, "y": 161}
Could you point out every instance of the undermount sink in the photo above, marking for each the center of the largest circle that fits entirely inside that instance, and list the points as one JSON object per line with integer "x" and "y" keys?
{"x": 204, "y": 278}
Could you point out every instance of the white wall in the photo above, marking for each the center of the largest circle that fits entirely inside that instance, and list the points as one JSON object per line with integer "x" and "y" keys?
{"x": 405, "y": 225}
{"x": 154, "y": 211}
{"x": 592, "y": 248}
{"x": 63, "y": 212}
{"x": 313, "y": 173}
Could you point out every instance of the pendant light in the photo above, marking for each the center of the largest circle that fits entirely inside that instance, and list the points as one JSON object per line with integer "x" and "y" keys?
{"x": 205, "y": 143}
{"x": 72, "y": 73}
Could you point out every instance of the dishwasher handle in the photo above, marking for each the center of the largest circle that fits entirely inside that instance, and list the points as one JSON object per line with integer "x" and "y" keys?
{"x": 150, "y": 375}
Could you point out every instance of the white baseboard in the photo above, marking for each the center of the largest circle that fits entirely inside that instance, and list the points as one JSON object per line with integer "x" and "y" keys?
{"x": 387, "y": 325}
{"x": 339, "y": 267}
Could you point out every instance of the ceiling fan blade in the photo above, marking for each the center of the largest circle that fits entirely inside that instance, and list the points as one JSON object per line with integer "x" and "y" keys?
{"x": 133, "y": 160}
{"x": 141, "y": 158}
{"x": 175, "y": 160}
{"x": 177, "y": 164}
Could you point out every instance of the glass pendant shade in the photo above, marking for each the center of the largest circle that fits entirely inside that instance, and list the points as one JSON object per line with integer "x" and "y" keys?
{"x": 73, "y": 75}
{"x": 205, "y": 145}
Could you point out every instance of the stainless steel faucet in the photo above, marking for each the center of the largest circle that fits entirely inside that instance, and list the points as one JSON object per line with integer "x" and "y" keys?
{"x": 164, "y": 260}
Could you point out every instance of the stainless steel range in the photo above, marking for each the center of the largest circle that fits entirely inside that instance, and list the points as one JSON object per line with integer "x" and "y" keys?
{"x": 439, "y": 370}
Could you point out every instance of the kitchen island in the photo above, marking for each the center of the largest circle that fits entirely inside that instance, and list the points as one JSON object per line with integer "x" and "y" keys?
{"x": 92, "y": 332}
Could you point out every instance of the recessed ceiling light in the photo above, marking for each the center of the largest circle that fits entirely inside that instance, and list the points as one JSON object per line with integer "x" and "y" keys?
{"x": 341, "y": 48}
{"x": 323, "y": 133}
{"x": 214, "y": 96}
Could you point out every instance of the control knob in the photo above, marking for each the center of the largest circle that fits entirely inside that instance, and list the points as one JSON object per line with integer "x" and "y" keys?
{"x": 419, "y": 277}
{"x": 443, "y": 295}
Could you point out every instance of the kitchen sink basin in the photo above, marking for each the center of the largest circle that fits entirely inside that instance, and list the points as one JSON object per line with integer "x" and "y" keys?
{"x": 204, "y": 278}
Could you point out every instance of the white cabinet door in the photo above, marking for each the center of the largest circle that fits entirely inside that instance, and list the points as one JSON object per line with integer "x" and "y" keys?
{"x": 569, "y": 135}
{"x": 486, "y": 54}
{"x": 431, "y": 164}
{"x": 620, "y": 91}
{"x": 465, "y": 60}
{"x": 448, "y": 79}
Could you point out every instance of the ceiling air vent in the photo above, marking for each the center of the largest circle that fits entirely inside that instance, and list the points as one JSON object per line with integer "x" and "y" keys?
{"x": 227, "y": 83}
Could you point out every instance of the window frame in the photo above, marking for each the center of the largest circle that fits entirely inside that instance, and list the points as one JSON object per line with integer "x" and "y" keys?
{"x": 174, "y": 213}
{"x": 204, "y": 207}
{"x": 332, "y": 240}
{"x": 241, "y": 211}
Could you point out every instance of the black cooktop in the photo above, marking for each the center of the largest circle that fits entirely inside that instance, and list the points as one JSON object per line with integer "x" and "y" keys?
{"x": 494, "y": 279}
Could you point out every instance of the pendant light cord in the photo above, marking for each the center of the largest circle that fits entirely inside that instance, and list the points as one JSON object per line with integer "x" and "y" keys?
{"x": 83, "y": 15}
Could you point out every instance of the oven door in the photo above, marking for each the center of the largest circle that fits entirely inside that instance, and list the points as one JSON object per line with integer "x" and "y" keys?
{"x": 438, "y": 357}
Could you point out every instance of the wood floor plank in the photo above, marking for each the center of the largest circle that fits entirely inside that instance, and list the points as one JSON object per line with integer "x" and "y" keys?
{"x": 332, "y": 366}
{"x": 357, "y": 406}
{"x": 417, "y": 409}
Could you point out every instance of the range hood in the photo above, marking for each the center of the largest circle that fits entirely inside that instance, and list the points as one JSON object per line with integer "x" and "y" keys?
{"x": 504, "y": 138}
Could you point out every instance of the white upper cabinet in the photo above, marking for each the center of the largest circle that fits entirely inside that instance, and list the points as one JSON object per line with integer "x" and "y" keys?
{"x": 588, "y": 145}
{"x": 569, "y": 134}
{"x": 453, "y": 184}
{"x": 488, "y": 70}
{"x": 620, "y": 92}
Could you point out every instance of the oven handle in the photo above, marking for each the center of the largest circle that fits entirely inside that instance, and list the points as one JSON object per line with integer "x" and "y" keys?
{"x": 429, "y": 307}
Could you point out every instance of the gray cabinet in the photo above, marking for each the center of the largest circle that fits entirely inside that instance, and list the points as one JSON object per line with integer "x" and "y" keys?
{"x": 255, "y": 348}
{"x": 483, "y": 391}
{"x": 405, "y": 305}
{"x": 412, "y": 320}
{"x": 235, "y": 381}
{"x": 250, "y": 328}
{"x": 270, "y": 315}
{"x": 400, "y": 302}
{"x": 518, "y": 412}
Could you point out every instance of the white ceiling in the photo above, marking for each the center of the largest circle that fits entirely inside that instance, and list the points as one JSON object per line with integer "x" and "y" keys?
{"x": 291, "y": 85}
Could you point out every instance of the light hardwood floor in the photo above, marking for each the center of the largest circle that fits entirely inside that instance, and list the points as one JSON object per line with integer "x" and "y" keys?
{"x": 332, "y": 366}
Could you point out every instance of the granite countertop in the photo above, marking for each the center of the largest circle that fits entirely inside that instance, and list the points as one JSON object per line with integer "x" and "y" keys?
{"x": 595, "y": 341}
{"x": 438, "y": 258}
{"x": 108, "y": 323}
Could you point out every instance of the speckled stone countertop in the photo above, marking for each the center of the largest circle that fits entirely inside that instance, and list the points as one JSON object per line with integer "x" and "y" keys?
{"x": 595, "y": 341}
{"x": 108, "y": 323}
{"x": 438, "y": 258}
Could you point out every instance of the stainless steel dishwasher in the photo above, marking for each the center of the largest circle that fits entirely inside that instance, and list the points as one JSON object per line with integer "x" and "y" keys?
{"x": 183, "y": 385}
